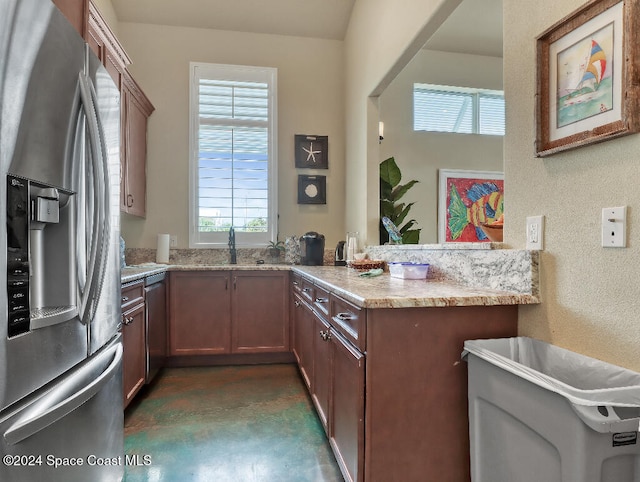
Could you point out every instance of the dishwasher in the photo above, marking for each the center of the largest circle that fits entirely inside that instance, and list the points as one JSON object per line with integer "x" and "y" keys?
{"x": 156, "y": 324}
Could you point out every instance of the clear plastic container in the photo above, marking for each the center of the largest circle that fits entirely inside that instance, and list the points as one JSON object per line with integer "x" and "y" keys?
{"x": 408, "y": 270}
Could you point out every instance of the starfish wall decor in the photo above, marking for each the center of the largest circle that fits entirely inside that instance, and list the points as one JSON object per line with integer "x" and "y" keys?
{"x": 311, "y": 151}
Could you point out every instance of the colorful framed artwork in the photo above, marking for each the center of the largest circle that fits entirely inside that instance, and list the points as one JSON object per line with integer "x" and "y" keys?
{"x": 312, "y": 151}
{"x": 466, "y": 200}
{"x": 587, "y": 66}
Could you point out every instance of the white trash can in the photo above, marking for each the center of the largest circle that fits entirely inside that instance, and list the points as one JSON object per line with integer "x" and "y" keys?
{"x": 540, "y": 413}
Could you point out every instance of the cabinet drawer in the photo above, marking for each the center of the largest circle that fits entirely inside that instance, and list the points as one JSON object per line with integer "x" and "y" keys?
{"x": 349, "y": 320}
{"x": 307, "y": 290}
{"x": 132, "y": 294}
{"x": 296, "y": 283}
{"x": 321, "y": 303}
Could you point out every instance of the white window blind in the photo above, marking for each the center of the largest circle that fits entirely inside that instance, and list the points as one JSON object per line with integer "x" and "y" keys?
{"x": 233, "y": 167}
{"x": 460, "y": 110}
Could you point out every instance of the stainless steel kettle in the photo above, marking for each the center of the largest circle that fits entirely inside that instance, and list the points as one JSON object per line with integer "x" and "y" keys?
{"x": 339, "y": 259}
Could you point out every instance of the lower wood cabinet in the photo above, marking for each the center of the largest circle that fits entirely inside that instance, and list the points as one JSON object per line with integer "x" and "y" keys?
{"x": 388, "y": 383}
{"x": 199, "y": 313}
{"x": 322, "y": 370}
{"x": 228, "y": 312}
{"x": 155, "y": 295}
{"x": 335, "y": 372}
{"x": 133, "y": 340}
{"x": 259, "y": 316}
{"x": 346, "y": 433}
{"x": 304, "y": 330}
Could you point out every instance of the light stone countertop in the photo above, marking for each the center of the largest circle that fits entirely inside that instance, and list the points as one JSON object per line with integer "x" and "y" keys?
{"x": 140, "y": 271}
{"x": 130, "y": 274}
{"x": 377, "y": 292}
{"x": 386, "y": 292}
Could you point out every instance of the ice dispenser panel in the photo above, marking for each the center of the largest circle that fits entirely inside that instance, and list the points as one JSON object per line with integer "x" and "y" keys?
{"x": 41, "y": 256}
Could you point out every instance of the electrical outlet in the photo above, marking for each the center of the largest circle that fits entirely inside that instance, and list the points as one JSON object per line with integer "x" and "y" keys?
{"x": 173, "y": 241}
{"x": 535, "y": 232}
{"x": 614, "y": 227}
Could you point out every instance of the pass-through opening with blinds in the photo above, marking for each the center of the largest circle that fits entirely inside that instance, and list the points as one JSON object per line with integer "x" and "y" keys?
{"x": 439, "y": 108}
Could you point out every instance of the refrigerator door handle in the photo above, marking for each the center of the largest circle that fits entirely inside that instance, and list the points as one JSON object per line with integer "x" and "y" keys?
{"x": 100, "y": 187}
{"x": 65, "y": 397}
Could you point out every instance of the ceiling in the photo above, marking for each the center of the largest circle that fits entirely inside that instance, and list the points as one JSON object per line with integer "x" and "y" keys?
{"x": 326, "y": 19}
{"x": 474, "y": 27}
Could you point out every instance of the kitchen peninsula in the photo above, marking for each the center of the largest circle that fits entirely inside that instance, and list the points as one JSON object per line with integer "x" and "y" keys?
{"x": 381, "y": 356}
{"x": 381, "y": 359}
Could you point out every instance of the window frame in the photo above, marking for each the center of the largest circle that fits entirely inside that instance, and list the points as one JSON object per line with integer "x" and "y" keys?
{"x": 474, "y": 93}
{"x": 269, "y": 75}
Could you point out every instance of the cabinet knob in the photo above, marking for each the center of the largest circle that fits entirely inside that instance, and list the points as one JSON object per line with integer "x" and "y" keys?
{"x": 322, "y": 300}
{"x": 125, "y": 299}
{"x": 306, "y": 290}
{"x": 129, "y": 200}
{"x": 325, "y": 335}
{"x": 297, "y": 303}
{"x": 344, "y": 316}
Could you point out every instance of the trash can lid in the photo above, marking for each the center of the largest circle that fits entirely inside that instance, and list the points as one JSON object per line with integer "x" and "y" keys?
{"x": 580, "y": 379}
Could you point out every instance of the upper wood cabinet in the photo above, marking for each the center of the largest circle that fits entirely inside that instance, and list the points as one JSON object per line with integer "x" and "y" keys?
{"x": 76, "y": 11}
{"x": 135, "y": 111}
{"x": 106, "y": 46}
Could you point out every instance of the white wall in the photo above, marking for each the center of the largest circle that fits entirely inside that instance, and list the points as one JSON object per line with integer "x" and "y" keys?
{"x": 420, "y": 154}
{"x": 590, "y": 295}
{"x": 105, "y": 7}
{"x": 382, "y": 37}
{"x": 310, "y": 101}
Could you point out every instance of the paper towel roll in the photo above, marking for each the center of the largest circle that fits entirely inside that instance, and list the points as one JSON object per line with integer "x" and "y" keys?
{"x": 162, "y": 252}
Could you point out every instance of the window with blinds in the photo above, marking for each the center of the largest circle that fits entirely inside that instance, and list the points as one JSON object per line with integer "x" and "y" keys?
{"x": 233, "y": 166}
{"x": 460, "y": 110}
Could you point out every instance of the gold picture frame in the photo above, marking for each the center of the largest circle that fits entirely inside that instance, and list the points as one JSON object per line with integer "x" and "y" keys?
{"x": 587, "y": 77}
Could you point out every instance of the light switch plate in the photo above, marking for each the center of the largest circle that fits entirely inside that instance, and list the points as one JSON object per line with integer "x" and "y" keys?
{"x": 614, "y": 227}
{"x": 535, "y": 232}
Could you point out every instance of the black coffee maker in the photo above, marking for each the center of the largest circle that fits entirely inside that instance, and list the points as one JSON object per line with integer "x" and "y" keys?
{"x": 312, "y": 249}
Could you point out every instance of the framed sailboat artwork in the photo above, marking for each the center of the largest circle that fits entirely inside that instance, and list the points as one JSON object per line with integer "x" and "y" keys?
{"x": 588, "y": 66}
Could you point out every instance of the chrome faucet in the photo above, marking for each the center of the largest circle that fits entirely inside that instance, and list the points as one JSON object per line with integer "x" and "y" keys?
{"x": 232, "y": 245}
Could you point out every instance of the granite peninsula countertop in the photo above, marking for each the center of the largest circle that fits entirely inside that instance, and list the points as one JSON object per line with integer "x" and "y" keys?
{"x": 378, "y": 292}
{"x": 386, "y": 292}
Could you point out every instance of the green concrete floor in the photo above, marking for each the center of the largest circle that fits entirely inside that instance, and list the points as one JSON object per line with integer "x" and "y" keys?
{"x": 227, "y": 424}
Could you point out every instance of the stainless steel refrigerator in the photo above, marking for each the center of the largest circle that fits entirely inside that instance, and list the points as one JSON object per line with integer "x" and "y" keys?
{"x": 60, "y": 351}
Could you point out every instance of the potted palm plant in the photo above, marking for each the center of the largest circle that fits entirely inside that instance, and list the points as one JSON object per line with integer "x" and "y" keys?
{"x": 391, "y": 191}
{"x": 275, "y": 248}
